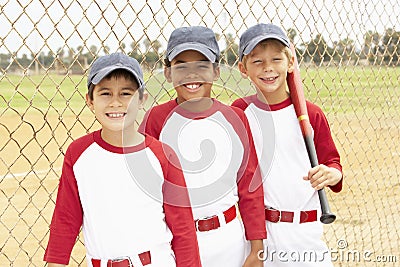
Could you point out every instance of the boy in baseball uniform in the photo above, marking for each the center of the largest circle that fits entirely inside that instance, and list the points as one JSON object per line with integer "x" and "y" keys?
{"x": 291, "y": 200}
{"x": 125, "y": 189}
{"x": 216, "y": 150}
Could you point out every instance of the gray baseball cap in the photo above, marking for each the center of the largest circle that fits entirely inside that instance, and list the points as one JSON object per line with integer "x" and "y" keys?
{"x": 198, "y": 38}
{"x": 104, "y": 65}
{"x": 257, "y": 33}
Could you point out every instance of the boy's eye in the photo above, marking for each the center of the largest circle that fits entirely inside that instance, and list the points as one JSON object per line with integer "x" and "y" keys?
{"x": 105, "y": 93}
{"x": 203, "y": 66}
{"x": 257, "y": 61}
{"x": 180, "y": 66}
{"x": 127, "y": 93}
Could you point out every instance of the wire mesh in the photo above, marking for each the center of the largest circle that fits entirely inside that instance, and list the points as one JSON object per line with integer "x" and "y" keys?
{"x": 349, "y": 58}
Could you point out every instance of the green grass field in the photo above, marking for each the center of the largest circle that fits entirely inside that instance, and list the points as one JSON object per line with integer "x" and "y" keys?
{"x": 339, "y": 90}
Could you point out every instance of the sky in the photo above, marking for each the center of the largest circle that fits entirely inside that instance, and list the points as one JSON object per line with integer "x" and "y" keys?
{"x": 33, "y": 25}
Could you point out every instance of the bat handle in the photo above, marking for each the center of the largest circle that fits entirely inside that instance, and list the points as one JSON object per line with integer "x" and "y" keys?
{"x": 327, "y": 216}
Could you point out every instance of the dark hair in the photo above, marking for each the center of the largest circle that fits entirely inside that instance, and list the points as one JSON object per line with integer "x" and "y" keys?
{"x": 167, "y": 63}
{"x": 118, "y": 73}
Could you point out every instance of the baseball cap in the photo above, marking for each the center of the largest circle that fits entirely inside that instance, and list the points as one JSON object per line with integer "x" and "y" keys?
{"x": 198, "y": 38}
{"x": 104, "y": 65}
{"x": 257, "y": 33}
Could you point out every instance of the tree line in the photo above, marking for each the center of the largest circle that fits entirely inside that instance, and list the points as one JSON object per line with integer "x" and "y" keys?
{"x": 377, "y": 49}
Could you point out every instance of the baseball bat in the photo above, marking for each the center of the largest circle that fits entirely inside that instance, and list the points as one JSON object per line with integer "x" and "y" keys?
{"x": 295, "y": 85}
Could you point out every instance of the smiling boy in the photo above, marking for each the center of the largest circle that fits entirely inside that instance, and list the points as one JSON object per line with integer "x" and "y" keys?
{"x": 214, "y": 145}
{"x": 125, "y": 189}
{"x": 290, "y": 184}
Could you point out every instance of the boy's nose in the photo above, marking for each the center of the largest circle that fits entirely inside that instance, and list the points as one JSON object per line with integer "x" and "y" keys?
{"x": 267, "y": 67}
{"x": 191, "y": 74}
{"x": 116, "y": 101}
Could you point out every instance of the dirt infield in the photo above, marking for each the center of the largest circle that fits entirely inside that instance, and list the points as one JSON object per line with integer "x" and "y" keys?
{"x": 366, "y": 209}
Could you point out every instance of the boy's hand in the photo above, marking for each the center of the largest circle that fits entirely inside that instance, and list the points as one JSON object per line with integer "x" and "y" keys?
{"x": 253, "y": 261}
{"x": 253, "y": 258}
{"x": 322, "y": 175}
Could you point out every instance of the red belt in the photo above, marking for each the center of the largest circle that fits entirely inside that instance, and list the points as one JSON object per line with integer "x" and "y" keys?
{"x": 275, "y": 216}
{"x": 144, "y": 257}
{"x": 212, "y": 223}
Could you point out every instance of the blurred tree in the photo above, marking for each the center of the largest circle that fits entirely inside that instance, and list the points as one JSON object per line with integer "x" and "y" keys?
{"x": 122, "y": 47}
{"x": 291, "y": 33}
{"x": 344, "y": 50}
{"x": 317, "y": 49}
{"x": 390, "y": 47}
{"x": 229, "y": 54}
{"x": 135, "y": 51}
{"x": 106, "y": 49}
{"x": 4, "y": 61}
{"x": 151, "y": 57}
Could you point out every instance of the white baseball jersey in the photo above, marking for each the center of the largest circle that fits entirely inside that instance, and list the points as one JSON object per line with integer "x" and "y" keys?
{"x": 127, "y": 200}
{"x": 217, "y": 155}
{"x": 284, "y": 161}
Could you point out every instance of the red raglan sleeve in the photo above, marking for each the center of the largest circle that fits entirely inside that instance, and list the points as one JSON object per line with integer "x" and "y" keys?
{"x": 155, "y": 118}
{"x": 67, "y": 216}
{"x": 178, "y": 212}
{"x": 240, "y": 103}
{"x": 324, "y": 145}
{"x": 250, "y": 189}
{"x": 149, "y": 125}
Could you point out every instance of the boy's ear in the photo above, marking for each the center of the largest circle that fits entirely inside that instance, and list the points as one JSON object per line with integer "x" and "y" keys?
{"x": 242, "y": 70}
{"x": 167, "y": 74}
{"x": 291, "y": 65}
{"x": 89, "y": 102}
{"x": 217, "y": 72}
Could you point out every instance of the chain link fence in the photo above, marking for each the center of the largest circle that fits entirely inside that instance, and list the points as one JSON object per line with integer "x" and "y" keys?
{"x": 349, "y": 58}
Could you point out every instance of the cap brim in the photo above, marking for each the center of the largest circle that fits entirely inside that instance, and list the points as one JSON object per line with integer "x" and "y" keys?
{"x": 255, "y": 41}
{"x": 107, "y": 70}
{"x": 192, "y": 46}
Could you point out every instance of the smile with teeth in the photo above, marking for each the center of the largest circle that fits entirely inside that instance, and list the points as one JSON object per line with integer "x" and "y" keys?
{"x": 192, "y": 86}
{"x": 116, "y": 115}
{"x": 269, "y": 79}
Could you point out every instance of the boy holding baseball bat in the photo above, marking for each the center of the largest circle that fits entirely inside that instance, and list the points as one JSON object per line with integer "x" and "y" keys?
{"x": 215, "y": 147}
{"x": 125, "y": 189}
{"x": 290, "y": 184}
